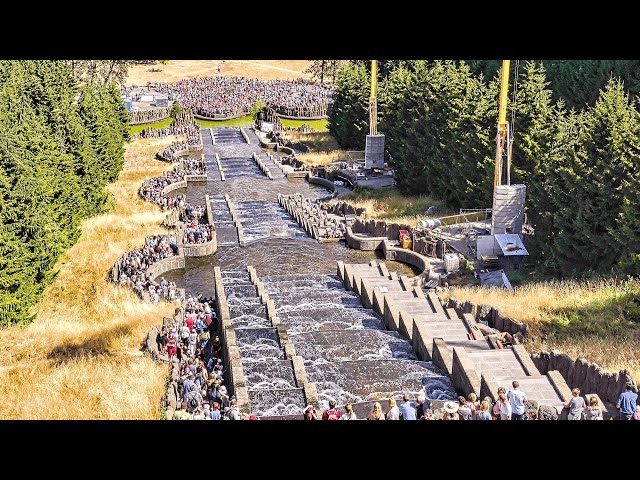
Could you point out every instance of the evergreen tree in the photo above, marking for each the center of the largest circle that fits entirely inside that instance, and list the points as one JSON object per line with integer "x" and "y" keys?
{"x": 534, "y": 118}
{"x": 349, "y": 112}
{"x": 608, "y": 152}
{"x": 54, "y": 165}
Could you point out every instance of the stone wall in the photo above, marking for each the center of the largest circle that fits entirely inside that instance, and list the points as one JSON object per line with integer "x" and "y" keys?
{"x": 489, "y": 315}
{"x": 262, "y": 166}
{"x": 325, "y": 183}
{"x": 345, "y": 208}
{"x": 165, "y": 264}
{"x": 379, "y": 228}
{"x": 245, "y": 136}
{"x": 174, "y": 186}
{"x": 412, "y": 258}
{"x": 286, "y": 150}
{"x": 363, "y": 243}
{"x": 232, "y": 358}
{"x": 587, "y": 376}
{"x": 201, "y": 249}
{"x": 236, "y": 221}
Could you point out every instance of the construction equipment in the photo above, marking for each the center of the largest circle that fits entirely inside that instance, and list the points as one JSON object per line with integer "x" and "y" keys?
{"x": 503, "y": 139}
{"x": 508, "y": 200}
{"x": 373, "y": 103}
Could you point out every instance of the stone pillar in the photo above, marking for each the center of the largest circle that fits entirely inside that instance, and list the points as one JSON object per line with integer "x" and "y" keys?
{"x": 374, "y": 151}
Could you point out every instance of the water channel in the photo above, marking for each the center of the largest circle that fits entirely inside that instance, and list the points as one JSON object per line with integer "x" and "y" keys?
{"x": 346, "y": 349}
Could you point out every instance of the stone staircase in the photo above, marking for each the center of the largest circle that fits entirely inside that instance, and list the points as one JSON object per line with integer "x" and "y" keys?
{"x": 226, "y": 135}
{"x": 453, "y": 342}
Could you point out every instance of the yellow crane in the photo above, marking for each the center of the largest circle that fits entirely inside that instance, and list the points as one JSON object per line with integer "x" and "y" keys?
{"x": 503, "y": 138}
{"x": 373, "y": 105}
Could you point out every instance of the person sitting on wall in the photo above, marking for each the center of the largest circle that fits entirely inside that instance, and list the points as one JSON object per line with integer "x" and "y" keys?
{"x": 506, "y": 340}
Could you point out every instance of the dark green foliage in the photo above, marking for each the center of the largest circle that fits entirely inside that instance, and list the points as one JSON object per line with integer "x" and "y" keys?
{"x": 438, "y": 125}
{"x": 176, "y": 108}
{"x": 58, "y": 150}
{"x": 535, "y": 121}
{"x": 577, "y": 82}
{"x": 581, "y": 167}
{"x": 587, "y": 224}
{"x": 349, "y": 112}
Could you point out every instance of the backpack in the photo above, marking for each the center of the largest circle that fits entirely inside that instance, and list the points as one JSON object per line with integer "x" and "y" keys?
{"x": 332, "y": 414}
{"x": 193, "y": 402}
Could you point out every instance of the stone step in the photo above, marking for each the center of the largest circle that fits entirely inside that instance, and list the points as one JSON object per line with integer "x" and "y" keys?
{"x": 499, "y": 363}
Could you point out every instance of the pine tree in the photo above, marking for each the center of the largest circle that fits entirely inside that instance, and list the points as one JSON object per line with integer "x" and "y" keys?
{"x": 54, "y": 166}
{"x": 598, "y": 166}
{"x": 349, "y": 112}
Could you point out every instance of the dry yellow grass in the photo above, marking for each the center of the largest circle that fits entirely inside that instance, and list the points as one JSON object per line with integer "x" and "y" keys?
{"x": 178, "y": 69}
{"x": 81, "y": 358}
{"x": 322, "y": 158}
{"x": 390, "y": 205}
{"x": 589, "y": 319}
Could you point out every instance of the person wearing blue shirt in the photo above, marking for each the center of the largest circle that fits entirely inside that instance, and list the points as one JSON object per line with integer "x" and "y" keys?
{"x": 627, "y": 403}
{"x": 407, "y": 409}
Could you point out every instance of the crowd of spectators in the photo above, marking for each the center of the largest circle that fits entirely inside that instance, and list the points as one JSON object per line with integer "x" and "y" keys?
{"x": 132, "y": 267}
{"x": 194, "y": 341}
{"x": 190, "y": 131}
{"x": 152, "y": 189}
{"x": 233, "y": 96}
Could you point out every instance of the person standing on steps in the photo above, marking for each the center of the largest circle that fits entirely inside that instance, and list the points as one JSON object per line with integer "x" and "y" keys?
{"x": 517, "y": 398}
{"x": 349, "y": 413}
{"x": 332, "y": 413}
{"x": 394, "y": 412}
{"x": 627, "y": 403}
{"x": 575, "y": 405}
{"x": 407, "y": 409}
{"x": 421, "y": 405}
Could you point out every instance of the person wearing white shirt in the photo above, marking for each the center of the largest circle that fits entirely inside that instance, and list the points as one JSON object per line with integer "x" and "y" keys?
{"x": 517, "y": 398}
{"x": 394, "y": 412}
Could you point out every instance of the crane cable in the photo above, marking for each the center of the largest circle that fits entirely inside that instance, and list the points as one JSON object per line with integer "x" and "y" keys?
{"x": 512, "y": 127}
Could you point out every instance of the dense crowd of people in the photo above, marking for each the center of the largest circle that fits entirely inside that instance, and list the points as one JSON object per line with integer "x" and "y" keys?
{"x": 152, "y": 189}
{"x": 194, "y": 342}
{"x": 190, "y": 131}
{"x": 193, "y": 166}
{"x": 510, "y": 405}
{"x": 233, "y": 96}
{"x": 194, "y": 231}
{"x": 132, "y": 267}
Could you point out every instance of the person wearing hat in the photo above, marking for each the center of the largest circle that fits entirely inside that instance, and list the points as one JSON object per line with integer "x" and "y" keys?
{"x": 627, "y": 402}
{"x": 451, "y": 411}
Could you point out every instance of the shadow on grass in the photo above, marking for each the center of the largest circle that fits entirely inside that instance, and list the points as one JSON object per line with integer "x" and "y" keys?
{"x": 93, "y": 346}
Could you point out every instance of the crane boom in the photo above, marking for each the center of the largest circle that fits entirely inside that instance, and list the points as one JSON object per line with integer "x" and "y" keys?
{"x": 502, "y": 138}
{"x": 373, "y": 107}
